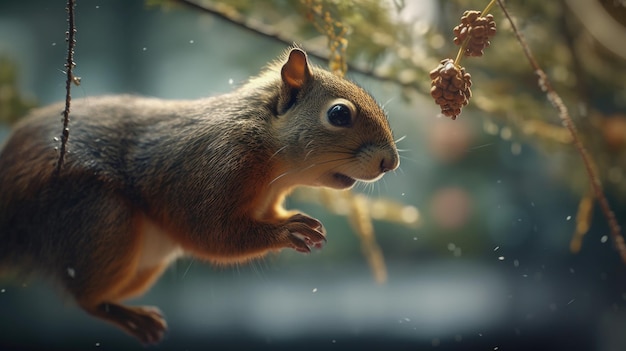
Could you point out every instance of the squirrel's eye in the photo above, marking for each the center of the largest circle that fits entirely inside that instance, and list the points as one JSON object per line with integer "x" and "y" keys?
{"x": 339, "y": 115}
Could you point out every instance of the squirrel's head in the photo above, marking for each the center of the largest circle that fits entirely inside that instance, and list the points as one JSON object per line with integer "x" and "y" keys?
{"x": 331, "y": 132}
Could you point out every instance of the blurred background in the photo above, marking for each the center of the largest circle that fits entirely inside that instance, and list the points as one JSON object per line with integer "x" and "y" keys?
{"x": 473, "y": 245}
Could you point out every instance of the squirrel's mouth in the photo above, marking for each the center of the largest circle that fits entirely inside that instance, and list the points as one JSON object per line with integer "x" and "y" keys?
{"x": 343, "y": 181}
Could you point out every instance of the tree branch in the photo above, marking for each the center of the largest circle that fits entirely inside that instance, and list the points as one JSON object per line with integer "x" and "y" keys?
{"x": 258, "y": 28}
{"x": 69, "y": 65}
{"x": 557, "y": 102}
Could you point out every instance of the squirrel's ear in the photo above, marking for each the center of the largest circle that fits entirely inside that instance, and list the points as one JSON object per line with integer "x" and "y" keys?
{"x": 296, "y": 71}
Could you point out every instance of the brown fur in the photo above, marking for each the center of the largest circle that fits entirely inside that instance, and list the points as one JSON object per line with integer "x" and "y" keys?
{"x": 147, "y": 180}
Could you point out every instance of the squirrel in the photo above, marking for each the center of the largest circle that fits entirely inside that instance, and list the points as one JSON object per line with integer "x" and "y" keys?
{"x": 146, "y": 181}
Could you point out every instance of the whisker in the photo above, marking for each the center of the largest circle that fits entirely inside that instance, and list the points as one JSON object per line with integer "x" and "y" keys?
{"x": 257, "y": 268}
{"x": 384, "y": 105}
{"x": 308, "y": 144}
{"x": 370, "y": 187}
{"x": 278, "y": 177}
{"x": 311, "y": 166}
{"x": 478, "y": 147}
{"x": 308, "y": 154}
{"x": 398, "y": 170}
{"x": 277, "y": 152}
{"x": 187, "y": 270}
{"x": 410, "y": 159}
{"x": 400, "y": 139}
{"x": 349, "y": 159}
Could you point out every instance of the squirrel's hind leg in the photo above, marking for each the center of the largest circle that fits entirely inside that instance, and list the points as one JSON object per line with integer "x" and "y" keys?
{"x": 146, "y": 323}
{"x": 105, "y": 266}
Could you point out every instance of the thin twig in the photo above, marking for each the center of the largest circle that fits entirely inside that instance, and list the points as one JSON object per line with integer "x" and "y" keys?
{"x": 69, "y": 65}
{"x": 557, "y": 102}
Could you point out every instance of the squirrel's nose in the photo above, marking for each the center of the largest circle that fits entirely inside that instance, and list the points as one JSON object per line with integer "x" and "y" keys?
{"x": 389, "y": 163}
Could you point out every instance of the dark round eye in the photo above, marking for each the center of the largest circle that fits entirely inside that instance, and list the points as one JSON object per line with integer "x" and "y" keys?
{"x": 339, "y": 115}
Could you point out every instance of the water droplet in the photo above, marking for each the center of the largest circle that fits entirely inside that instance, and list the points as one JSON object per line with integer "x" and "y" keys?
{"x": 496, "y": 248}
{"x": 414, "y": 238}
{"x": 570, "y": 301}
{"x": 97, "y": 6}
{"x": 231, "y": 81}
{"x": 97, "y": 344}
{"x": 501, "y": 258}
{"x": 54, "y": 44}
{"x": 604, "y": 239}
{"x": 314, "y": 290}
{"x": 191, "y": 41}
{"x": 516, "y": 263}
{"x": 451, "y": 246}
{"x": 402, "y": 194}
{"x": 144, "y": 48}
{"x": 2, "y": 290}
{"x": 334, "y": 341}
{"x": 71, "y": 272}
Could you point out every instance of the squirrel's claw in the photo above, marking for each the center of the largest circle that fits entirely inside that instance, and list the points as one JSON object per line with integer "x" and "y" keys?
{"x": 305, "y": 233}
{"x": 153, "y": 325}
{"x": 146, "y": 323}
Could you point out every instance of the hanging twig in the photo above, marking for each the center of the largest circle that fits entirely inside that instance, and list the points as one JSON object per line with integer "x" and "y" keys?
{"x": 69, "y": 65}
{"x": 557, "y": 102}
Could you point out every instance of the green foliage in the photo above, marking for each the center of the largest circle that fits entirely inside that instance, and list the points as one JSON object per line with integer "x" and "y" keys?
{"x": 12, "y": 104}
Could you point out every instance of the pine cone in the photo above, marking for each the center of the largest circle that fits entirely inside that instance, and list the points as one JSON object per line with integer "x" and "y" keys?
{"x": 450, "y": 87}
{"x": 479, "y": 29}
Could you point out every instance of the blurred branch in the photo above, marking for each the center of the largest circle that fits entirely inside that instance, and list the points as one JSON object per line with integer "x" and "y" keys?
{"x": 231, "y": 15}
{"x": 557, "y": 102}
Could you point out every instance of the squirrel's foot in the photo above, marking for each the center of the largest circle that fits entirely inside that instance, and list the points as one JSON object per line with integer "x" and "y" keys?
{"x": 305, "y": 233}
{"x": 146, "y": 323}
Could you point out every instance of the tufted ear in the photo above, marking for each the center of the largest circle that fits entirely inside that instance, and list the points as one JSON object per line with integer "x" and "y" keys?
{"x": 296, "y": 71}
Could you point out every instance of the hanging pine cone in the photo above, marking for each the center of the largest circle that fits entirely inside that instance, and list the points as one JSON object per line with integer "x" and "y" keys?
{"x": 479, "y": 29}
{"x": 450, "y": 87}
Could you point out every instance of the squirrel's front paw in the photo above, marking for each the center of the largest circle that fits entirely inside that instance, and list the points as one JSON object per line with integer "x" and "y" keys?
{"x": 305, "y": 233}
